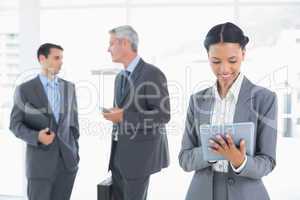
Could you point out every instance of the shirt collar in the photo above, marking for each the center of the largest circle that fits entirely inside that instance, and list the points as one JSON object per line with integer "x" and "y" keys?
{"x": 234, "y": 89}
{"x": 132, "y": 65}
{"x": 236, "y": 86}
{"x": 45, "y": 81}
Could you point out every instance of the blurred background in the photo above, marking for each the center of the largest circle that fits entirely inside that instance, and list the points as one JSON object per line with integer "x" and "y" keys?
{"x": 171, "y": 37}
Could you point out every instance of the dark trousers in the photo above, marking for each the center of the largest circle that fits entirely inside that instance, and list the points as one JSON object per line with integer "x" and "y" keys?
{"x": 127, "y": 189}
{"x": 56, "y": 188}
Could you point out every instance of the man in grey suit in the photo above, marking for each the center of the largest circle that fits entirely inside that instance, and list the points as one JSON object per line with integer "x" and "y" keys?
{"x": 141, "y": 110}
{"x": 45, "y": 116}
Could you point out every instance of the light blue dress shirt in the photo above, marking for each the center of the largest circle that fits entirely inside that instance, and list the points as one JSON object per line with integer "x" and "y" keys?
{"x": 132, "y": 65}
{"x": 51, "y": 88}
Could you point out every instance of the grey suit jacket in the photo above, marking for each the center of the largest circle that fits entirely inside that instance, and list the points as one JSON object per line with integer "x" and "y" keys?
{"x": 255, "y": 104}
{"x": 142, "y": 140}
{"x": 41, "y": 160}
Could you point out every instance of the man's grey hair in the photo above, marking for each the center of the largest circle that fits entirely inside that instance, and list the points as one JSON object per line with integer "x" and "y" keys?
{"x": 127, "y": 32}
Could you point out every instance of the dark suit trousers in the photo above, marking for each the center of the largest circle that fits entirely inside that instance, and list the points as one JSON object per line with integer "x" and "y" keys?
{"x": 127, "y": 189}
{"x": 56, "y": 188}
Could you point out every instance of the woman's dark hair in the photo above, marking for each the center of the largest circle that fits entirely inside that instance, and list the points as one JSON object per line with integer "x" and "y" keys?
{"x": 227, "y": 32}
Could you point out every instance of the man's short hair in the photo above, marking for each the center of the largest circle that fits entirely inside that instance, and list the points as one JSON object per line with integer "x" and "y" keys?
{"x": 44, "y": 49}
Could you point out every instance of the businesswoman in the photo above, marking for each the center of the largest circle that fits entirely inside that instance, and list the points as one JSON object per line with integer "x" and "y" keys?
{"x": 233, "y": 98}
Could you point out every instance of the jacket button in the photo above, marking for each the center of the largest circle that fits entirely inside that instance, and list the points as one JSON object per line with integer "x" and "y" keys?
{"x": 231, "y": 181}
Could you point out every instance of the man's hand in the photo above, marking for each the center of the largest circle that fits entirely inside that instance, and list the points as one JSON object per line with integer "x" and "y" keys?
{"x": 115, "y": 115}
{"x": 46, "y": 138}
{"x": 227, "y": 148}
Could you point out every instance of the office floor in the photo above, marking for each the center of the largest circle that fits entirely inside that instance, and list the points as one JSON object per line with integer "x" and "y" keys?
{"x": 3, "y": 197}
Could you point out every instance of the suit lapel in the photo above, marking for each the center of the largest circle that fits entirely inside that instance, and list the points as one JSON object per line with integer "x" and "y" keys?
{"x": 243, "y": 106}
{"x": 207, "y": 101}
{"x": 203, "y": 104}
{"x": 132, "y": 80}
{"x": 64, "y": 99}
{"x": 118, "y": 91}
{"x": 40, "y": 92}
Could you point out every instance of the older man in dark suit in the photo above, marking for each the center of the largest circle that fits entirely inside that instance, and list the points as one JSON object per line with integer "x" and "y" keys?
{"x": 141, "y": 110}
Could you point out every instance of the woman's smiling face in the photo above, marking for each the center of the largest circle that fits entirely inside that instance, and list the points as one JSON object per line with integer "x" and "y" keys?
{"x": 225, "y": 60}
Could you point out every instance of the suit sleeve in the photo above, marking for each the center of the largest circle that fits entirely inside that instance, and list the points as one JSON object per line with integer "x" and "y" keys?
{"x": 17, "y": 126}
{"x": 115, "y": 126}
{"x": 157, "y": 103}
{"x": 190, "y": 156}
{"x": 115, "y": 91}
{"x": 264, "y": 160}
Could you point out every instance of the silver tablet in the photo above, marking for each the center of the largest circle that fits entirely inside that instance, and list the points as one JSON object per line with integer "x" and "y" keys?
{"x": 239, "y": 131}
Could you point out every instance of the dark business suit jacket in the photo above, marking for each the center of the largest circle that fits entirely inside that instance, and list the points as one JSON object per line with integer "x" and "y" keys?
{"x": 41, "y": 160}
{"x": 142, "y": 140}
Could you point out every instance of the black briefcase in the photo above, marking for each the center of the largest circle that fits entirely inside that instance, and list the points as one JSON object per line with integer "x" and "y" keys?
{"x": 104, "y": 190}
